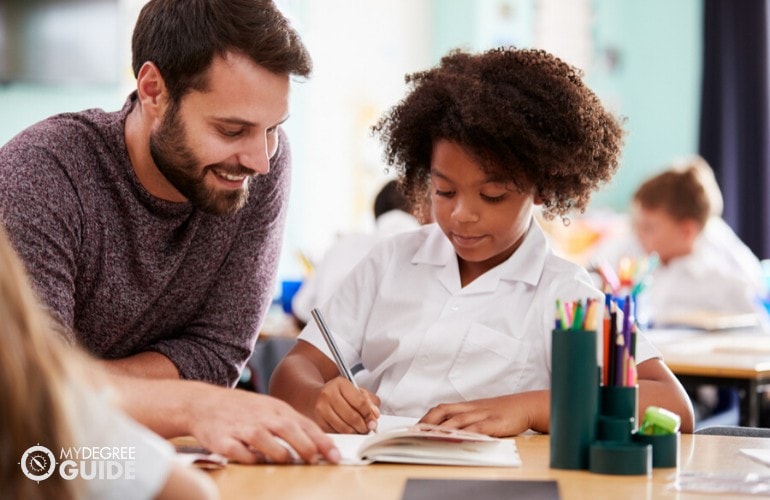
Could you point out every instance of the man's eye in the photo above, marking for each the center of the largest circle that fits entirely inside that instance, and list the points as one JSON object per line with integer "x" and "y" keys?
{"x": 232, "y": 133}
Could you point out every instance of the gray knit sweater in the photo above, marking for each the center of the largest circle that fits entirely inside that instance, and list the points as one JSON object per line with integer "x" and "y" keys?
{"x": 126, "y": 272}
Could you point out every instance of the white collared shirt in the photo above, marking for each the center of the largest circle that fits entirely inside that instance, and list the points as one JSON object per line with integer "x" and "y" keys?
{"x": 425, "y": 340}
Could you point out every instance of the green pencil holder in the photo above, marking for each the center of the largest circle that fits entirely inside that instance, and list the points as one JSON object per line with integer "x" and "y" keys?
{"x": 574, "y": 398}
{"x": 625, "y": 459}
{"x": 616, "y": 429}
{"x": 665, "y": 448}
{"x": 620, "y": 402}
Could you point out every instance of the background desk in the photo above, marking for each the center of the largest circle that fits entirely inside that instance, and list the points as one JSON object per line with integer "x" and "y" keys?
{"x": 738, "y": 358}
{"x": 698, "y": 453}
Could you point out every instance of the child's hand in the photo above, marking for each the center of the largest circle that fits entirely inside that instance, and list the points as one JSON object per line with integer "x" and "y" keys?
{"x": 343, "y": 409}
{"x": 501, "y": 416}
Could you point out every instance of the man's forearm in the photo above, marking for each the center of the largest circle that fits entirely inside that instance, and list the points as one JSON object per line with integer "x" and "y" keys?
{"x": 145, "y": 364}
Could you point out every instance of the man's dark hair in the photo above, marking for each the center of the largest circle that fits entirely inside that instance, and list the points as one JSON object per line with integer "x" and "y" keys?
{"x": 182, "y": 37}
{"x": 390, "y": 198}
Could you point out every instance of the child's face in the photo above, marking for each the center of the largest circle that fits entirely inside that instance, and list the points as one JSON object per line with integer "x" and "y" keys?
{"x": 484, "y": 218}
{"x": 659, "y": 232}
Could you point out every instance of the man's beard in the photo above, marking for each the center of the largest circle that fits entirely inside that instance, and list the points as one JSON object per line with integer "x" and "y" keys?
{"x": 178, "y": 164}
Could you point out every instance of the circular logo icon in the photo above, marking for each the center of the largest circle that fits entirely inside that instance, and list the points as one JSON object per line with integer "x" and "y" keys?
{"x": 38, "y": 463}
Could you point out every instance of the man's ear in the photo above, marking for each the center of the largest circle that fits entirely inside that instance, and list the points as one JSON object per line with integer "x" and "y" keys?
{"x": 151, "y": 90}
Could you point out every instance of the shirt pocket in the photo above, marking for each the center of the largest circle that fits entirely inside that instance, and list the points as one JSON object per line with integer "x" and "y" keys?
{"x": 489, "y": 364}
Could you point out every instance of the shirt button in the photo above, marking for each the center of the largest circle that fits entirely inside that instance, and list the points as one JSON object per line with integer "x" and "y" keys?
{"x": 455, "y": 307}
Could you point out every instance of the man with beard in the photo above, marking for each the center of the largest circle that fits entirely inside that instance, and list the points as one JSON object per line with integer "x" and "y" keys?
{"x": 152, "y": 234}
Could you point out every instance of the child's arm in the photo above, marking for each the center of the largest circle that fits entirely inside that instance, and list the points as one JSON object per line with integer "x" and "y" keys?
{"x": 500, "y": 416}
{"x": 516, "y": 413}
{"x": 659, "y": 387}
{"x": 311, "y": 383}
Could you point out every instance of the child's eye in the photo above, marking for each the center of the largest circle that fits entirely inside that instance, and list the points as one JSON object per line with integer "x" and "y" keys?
{"x": 493, "y": 199}
{"x": 445, "y": 194}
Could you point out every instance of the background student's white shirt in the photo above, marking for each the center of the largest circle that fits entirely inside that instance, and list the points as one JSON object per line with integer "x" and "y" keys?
{"x": 424, "y": 340}
{"x": 698, "y": 282}
{"x": 342, "y": 256}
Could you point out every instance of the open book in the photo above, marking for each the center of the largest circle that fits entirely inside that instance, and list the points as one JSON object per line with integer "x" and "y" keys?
{"x": 427, "y": 444}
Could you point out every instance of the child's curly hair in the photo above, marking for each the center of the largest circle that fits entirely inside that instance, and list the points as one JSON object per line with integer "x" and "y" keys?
{"x": 521, "y": 112}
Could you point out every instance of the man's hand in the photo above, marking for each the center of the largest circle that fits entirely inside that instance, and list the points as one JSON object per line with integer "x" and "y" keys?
{"x": 244, "y": 427}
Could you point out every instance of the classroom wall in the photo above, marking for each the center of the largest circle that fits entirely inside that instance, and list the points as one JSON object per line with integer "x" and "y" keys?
{"x": 642, "y": 57}
{"x": 648, "y": 68}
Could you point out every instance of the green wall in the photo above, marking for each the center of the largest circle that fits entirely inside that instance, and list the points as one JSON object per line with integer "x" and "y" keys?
{"x": 23, "y": 104}
{"x": 655, "y": 85}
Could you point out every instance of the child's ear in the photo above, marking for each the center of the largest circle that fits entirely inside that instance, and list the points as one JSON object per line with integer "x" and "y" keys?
{"x": 538, "y": 200}
{"x": 690, "y": 229}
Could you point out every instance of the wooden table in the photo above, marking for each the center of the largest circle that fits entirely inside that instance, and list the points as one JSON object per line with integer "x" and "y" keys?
{"x": 697, "y": 454}
{"x": 737, "y": 358}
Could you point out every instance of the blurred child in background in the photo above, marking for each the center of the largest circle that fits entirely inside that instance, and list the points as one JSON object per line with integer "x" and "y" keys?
{"x": 704, "y": 267}
{"x": 704, "y": 271}
{"x": 392, "y": 215}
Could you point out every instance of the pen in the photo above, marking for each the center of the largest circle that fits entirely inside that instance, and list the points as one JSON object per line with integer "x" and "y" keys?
{"x": 327, "y": 334}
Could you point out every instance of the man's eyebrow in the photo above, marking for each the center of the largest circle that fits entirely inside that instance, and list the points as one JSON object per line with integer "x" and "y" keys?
{"x": 231, "y": 120}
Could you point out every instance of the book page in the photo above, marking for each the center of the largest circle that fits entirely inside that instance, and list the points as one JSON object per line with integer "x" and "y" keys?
{"x": 427, "y": 444}
{"x": 349, "y": 444}
{"x": 389, "y": 422}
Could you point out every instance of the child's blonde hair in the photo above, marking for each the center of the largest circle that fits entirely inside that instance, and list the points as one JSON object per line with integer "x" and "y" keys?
{"x": 35, "y": 386}
{"x": 686, "y": 190}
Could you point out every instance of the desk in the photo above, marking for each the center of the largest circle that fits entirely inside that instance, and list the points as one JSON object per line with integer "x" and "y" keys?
{"x": 737, "y": 358}
{"x": 698, "y": 453}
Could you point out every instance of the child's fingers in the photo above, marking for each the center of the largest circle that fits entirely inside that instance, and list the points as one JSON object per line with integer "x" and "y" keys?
{"x": 343, "y": 408}
{"x": 374, "y": 416}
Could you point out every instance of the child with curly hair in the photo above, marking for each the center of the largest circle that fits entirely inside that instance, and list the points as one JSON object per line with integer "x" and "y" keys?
{"x": 452, "y": 322}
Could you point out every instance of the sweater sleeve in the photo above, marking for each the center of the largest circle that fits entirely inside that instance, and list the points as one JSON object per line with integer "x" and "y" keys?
{"x": 42, "y": 216}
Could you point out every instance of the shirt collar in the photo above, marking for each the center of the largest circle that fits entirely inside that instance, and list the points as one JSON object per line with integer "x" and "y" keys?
{"x": 526, "y": 264}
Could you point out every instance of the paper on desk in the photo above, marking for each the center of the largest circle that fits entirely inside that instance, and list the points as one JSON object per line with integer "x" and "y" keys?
{"x": 708, "y": 320}
{"x": 200, "y": 457}
{"x": 761, "y": 455}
